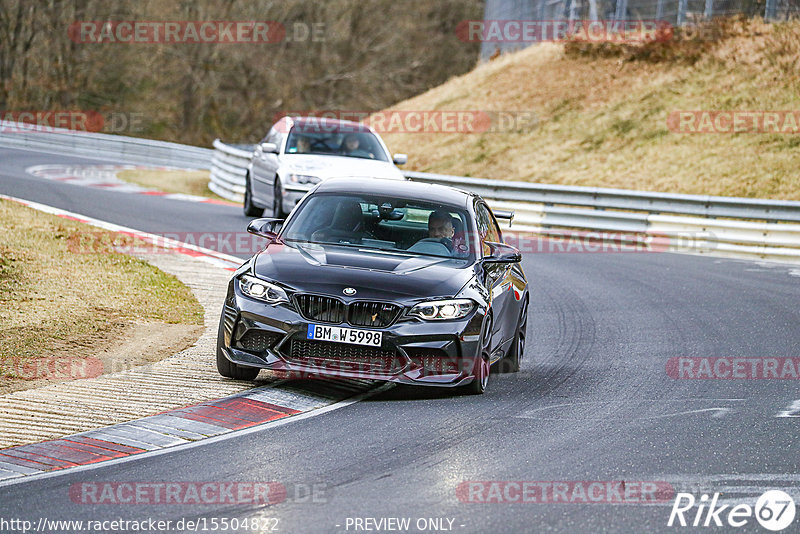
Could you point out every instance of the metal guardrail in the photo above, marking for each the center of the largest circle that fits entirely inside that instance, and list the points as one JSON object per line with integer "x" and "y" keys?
{"x": 697, "y": 223}
{"x": 118, "y": 148}
{"x": 739, "y": 226}
{"x": 622, "y": 199}
{"x": 729, "y": 225}
{"x": 228, "y": 168}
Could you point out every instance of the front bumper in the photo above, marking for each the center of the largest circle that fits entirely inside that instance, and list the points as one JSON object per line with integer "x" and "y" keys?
{"x": 413, "y": 351}
{"x": 291, "y": 196}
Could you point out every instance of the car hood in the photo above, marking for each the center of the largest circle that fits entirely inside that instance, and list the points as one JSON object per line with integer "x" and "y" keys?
{"x": 339, "y": 166}
{"x": 379, "y": 275}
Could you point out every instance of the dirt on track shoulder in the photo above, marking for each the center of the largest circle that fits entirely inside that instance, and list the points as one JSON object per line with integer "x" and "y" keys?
{"x": 71, "y": 311}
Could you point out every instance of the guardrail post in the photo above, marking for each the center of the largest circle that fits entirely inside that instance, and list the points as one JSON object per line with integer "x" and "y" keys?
{"x": 709, "y": 10}
{"x": 622, "y": 9}
{"x": 771, "y": 10}
{"x": 682, "y": 6}
{"x": 228, "y": 170}
{"x": 574, "y": 8}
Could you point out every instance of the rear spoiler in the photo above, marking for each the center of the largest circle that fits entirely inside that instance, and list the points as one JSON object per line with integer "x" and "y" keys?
{"x": 504, "y": 214}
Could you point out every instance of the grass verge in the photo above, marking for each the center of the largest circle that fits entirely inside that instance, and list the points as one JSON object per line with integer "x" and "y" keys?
{"x": 171, "y": 181}
{"x": 61, "y": 300}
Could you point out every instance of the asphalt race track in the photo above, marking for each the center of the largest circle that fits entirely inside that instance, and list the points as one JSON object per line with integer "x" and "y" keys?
{"x": 593, "y": 401}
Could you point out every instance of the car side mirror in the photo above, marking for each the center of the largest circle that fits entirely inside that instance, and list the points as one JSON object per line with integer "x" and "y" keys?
{"x": 502, "y": 253}
{"x": 400, "y": 159}
{"x": 504, "y": 214}
{"x": 268, "y": 228}
{"x": 269, "y": 148}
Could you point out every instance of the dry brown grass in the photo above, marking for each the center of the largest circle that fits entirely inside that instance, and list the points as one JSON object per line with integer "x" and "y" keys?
{"x": 603, "y": 115}
{"x": 171, "y": 181}
{"x": 58, "y": 300}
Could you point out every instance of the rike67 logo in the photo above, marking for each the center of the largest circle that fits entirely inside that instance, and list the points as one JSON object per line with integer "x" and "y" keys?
{"x": 774, "y": 510}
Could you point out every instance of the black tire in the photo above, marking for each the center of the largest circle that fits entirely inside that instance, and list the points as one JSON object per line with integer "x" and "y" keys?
{"x": 512, "y": 360}
{"x": 250, "y": 209}
{"x": 277, "y": 200}
{"x": 482, "y": 368}
{"x": 229, "y": 369}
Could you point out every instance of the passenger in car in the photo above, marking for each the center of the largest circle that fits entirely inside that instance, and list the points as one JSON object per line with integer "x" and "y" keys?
{"x": 347, "y": 225}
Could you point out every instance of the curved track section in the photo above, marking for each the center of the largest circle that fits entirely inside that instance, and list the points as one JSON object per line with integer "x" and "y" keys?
{"x": 593, "y": 402}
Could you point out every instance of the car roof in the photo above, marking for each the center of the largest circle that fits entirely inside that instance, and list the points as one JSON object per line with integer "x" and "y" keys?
{"x": 404, "y": 189}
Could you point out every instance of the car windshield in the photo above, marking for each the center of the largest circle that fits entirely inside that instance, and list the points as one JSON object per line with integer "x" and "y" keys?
{"x": 381, "y": 222}
{"x": 335, "y": 141}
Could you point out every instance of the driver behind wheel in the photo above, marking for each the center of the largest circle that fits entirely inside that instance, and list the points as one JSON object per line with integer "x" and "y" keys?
{"x": 448, "y": 231}
{"x": 440, "y": 226}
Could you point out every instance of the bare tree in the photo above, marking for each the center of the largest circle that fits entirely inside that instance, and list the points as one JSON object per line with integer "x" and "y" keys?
{"x": 17, "y": 33}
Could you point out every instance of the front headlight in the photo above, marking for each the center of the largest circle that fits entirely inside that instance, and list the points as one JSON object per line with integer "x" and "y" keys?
{"x": 262, "y": 290}
{"x": 304, "y": 179}
{"x": 441, "y": 310}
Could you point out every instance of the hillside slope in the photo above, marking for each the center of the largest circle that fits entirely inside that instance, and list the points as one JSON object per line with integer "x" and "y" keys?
{"x": 602, "y": 115}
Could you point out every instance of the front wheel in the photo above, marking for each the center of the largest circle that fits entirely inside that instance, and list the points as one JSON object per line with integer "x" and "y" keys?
{"x": 229, "y": 369}
{"x": 481, "y": 370}
{"x": 481, "y": 374}
{"x": 250, "y": 209}
{"x": 511, "y": 362}
{"x": 277, "y": 202}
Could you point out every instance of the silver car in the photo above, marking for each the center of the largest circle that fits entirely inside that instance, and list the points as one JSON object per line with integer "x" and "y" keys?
{"x": 299, "y": 152}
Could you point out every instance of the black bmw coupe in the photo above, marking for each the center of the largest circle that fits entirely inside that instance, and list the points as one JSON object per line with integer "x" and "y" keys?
{"x": 379, "y": 279}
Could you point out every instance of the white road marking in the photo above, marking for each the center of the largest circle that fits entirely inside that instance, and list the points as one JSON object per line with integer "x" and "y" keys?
{"x": 194, "y": 444}
{"x": 217, "y": 258}
{"x": 718, "y": 411}
{"x": 168, "y": 442}
{"x": 792, "y": 411}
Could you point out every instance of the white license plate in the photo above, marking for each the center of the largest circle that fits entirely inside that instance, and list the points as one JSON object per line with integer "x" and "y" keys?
{"x": 338, "y": 334}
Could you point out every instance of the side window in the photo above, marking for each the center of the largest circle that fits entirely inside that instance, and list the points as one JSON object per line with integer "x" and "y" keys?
{"x": 487, "y": 227}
